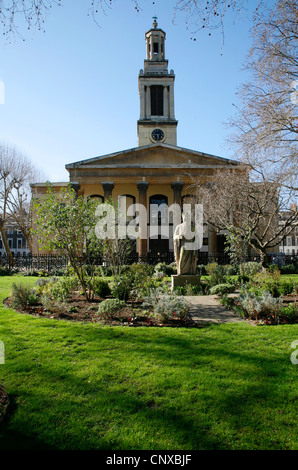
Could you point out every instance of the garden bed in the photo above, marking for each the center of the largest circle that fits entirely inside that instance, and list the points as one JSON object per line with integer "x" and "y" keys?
{"x": 287, "y": 313}
{"x": 290, "y": 298}
{"x": 77, "y": 309}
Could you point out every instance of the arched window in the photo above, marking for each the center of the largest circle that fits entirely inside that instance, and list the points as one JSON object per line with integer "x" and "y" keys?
{"x": 96, "y": 196}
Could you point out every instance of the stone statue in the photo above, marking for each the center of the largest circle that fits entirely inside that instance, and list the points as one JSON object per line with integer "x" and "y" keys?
{"x": 186, "y": 244}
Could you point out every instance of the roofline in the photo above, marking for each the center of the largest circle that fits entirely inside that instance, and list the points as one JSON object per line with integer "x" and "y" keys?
{"x": 48, "y": 183}
{"x": 183, "y": 166}
{"x": 144, "y": 147}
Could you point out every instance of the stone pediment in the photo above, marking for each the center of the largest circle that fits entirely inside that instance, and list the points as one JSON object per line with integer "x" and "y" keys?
{"x": 153, "y": 156}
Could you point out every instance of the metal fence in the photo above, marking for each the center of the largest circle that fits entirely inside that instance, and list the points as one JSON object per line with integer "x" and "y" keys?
{"x": 52, "y": 263}
{"x": 34, "y": 262}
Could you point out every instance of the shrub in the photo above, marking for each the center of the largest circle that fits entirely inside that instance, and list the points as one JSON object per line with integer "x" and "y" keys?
{"x": 150, "y": 284}
{"x": 166, "y": 269}
{"x": 251, "y": 268}
{"x": 60, "y": 288}
{"x": 222, "y": 289}
{"x": 290, "y": 313}
{"x": 166, "y": 306}
{"x": 231, "y": 269}
{"x": 105, "y": 271}
{"x": 192, "y": 290}
{"x": 289, "y": 269}
{"x": 267, "y": 282}
{"x": 242, "y": 279}
{"x": 132, "y": 279}
{"x": 286, "y": 287}
{"x": 49, "y": 303}
{"x": 210, "y": 268}
{"x": 109, "y": 306}
{"x": 23, "y": 296}
{"x": 180, "y": 290}
{"x": 101, "y": 288}
{"x": 201, "y": 269}
{"x": 40, "y": 285}
{"x": 169, "y": 306}
{"x": 141, "y": 271}
{"x": 188, "y": 290}
{"x": 217, "y": 274}
{"x": 4, "y": 271}
{"x": 257, "y": 307}
{"x": 158, "y": 274}
{"x": 122, "y": 286}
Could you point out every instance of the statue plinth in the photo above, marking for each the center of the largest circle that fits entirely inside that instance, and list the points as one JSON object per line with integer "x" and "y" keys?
{"x": 181, "y": 280}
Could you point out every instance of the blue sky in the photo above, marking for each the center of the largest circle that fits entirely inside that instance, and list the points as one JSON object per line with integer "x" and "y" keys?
{"x": 72, "y": 92}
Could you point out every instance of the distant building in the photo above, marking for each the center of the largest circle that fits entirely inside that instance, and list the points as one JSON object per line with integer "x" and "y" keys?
{"x": 17, "y": 242}
{"x": 289, "y": 245}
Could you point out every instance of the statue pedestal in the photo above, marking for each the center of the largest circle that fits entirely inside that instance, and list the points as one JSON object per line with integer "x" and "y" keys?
{"x": 183, "y": 279}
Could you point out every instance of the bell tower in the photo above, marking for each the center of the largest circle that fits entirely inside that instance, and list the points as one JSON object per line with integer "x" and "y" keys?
{"x": 157, "y": 121}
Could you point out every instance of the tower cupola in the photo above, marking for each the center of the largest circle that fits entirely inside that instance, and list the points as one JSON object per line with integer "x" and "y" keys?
{"x": 157, "y": 121}
{"x": 155, "y": 42}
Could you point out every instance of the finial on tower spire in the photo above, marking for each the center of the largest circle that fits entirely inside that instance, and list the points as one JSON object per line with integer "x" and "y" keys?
{"x": 155, "y": 24}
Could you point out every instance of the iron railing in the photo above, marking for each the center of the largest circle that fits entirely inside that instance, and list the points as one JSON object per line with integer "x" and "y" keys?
{"x": 52, "y": 263}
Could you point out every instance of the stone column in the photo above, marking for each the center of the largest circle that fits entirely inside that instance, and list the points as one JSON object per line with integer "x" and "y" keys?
{"x": 172, "y": 108}
{"x": 166, "y": 101}
{"x": 108, "y": 187}
{"x": 177, "y": 187}
{"x": 143, "y": 230}
{"x": 77, "y": 188}
{"x": 142, "y": 102}
{"x": 147, "y": 102}
{"x": 212, "y": 241}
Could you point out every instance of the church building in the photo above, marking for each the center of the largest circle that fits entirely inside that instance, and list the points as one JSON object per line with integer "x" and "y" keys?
{"x": 158, "y": 171}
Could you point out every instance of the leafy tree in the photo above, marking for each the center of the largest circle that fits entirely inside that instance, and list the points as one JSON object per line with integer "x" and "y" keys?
{"x": 65, "y": 223}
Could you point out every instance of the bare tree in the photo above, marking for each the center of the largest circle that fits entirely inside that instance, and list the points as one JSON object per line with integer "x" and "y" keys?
{"x": 199, "y": 14}
{"x": 248, "y": 203}
{"x": 266, "y": 124}
{"x": 248, "y": 207}
{"x": 16, "y": 174}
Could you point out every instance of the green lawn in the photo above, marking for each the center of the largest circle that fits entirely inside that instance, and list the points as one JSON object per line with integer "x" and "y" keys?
{"x": 86, "y": 386}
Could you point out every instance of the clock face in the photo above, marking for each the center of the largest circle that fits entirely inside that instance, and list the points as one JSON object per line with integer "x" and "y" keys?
{"x": 157, "y": 135}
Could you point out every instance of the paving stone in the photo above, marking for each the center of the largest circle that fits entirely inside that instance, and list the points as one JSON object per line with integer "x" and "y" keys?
{"x": 207, "y": 309}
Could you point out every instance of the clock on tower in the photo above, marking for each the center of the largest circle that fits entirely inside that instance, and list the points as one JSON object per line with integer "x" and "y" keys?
{"x": 157, "y": 121}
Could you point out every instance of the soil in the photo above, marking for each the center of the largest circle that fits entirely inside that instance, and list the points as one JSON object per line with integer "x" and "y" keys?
{"x": 290, "y": 298}
{"x": 78, "y": 309}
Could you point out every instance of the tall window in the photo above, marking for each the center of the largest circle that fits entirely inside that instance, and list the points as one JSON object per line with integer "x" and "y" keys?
{"x": 158, "y": 217}
{"x": 156, "y": 100}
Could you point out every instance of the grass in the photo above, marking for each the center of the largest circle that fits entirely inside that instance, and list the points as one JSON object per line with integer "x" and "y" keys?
{"x": 86, "y": 386}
